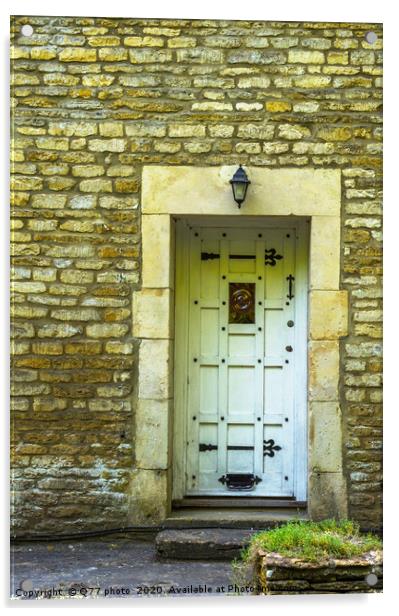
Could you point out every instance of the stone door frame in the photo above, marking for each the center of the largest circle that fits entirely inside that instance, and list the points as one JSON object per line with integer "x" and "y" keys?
{"x": 172, "y": 191}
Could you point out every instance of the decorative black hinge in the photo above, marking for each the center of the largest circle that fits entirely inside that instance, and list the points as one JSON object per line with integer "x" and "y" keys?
{"x": 290, "y": 279}
{"x": 271, "y": 257}
{"x": 204, "y": 447}
{"x": 209, "y": 256}
{"x": 269, "y": 448}
{"x": 239, "y": 481}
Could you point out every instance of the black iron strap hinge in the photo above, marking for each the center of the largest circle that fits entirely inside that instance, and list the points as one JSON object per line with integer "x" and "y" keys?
{"x": 269, "y": 447}
{"x": 290, "y": 279}
{"x": 209, "y": 256}
{"x": 271, "y": 256}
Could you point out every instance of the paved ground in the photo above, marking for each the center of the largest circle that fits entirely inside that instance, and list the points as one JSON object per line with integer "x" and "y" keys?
{"x": 110, "y": 567}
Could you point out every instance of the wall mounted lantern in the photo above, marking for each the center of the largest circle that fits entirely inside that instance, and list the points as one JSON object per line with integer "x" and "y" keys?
{"x": 239, "y": 184}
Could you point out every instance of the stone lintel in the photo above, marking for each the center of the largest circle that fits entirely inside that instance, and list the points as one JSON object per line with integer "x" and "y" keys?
{"x": 273, "y": 192}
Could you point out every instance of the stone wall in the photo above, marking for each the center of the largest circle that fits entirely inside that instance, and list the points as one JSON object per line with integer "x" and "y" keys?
{"x": 278, "y": 575}
{"x": 93, "y": 101}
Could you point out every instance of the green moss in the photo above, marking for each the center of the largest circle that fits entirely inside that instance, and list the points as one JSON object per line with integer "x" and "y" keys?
{"x": 313, "y": 540}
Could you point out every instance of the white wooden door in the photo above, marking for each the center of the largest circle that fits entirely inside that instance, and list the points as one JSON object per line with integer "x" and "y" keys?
{"x": 244, "y": 413}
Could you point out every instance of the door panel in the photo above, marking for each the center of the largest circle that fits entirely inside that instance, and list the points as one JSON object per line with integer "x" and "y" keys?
{"x": 240, "y": 413}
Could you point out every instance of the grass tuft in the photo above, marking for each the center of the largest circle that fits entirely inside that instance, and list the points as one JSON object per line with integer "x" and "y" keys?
{"x": 313, "y": 540}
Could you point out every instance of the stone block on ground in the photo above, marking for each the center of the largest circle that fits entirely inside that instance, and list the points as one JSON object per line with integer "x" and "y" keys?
{"x": 202, "y": 544}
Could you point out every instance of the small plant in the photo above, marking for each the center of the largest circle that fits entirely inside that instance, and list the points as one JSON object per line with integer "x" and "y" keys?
{"x": 313, "y": 540}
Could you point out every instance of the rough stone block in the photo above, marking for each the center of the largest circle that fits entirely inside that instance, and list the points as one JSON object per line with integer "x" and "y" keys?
{"x": 186, "y": 130}
{"x": 113, "y": 54}
{"x": 323, "y": 370}
{"x": 157, "y": 251}
{"x": 106, "y": 330}
{"x": 329, "y": 496}
{"x": 306, "y": 57}
{"x": 77, "y": 54}
{"x": 325, "y": 250}
{"x": 148, "y": 497}
{"x": 312, "y": 81}
{"x": 107, "y": 145}
{"x": 328, "y": 314}
{"x": 144, "y": 41}
{"x": 96, "y": 186}
{"x": 253, "y": 82}
{"x": 155, "y": 368}
{"x": 151, "y": 313}
{"x": 278, "y": 106}
{"x": 152, "y": 434}
{"x": 147, "y": 56}
{"x": 97, "y": 81}
{"x": 325, "y": 437}
{"x": 197, "y": 544}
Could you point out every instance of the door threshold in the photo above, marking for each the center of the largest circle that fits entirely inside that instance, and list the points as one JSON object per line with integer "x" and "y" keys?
{"x": 244, "y": 518}
{"x": 221, "y": 502}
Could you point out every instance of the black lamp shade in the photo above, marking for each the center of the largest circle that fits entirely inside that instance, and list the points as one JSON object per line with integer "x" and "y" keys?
{"x": 239, "y": 184}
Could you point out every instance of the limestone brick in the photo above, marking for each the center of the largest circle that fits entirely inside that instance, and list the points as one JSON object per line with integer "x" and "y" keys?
{"x": 323, "y": 370}
{"x": 151, "y": 310}
{"x": 328, "y": 316}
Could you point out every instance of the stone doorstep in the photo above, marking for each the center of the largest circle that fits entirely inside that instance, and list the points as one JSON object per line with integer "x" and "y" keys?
{"x": 244, "y": 519}
{"x": 202, "y": 544}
